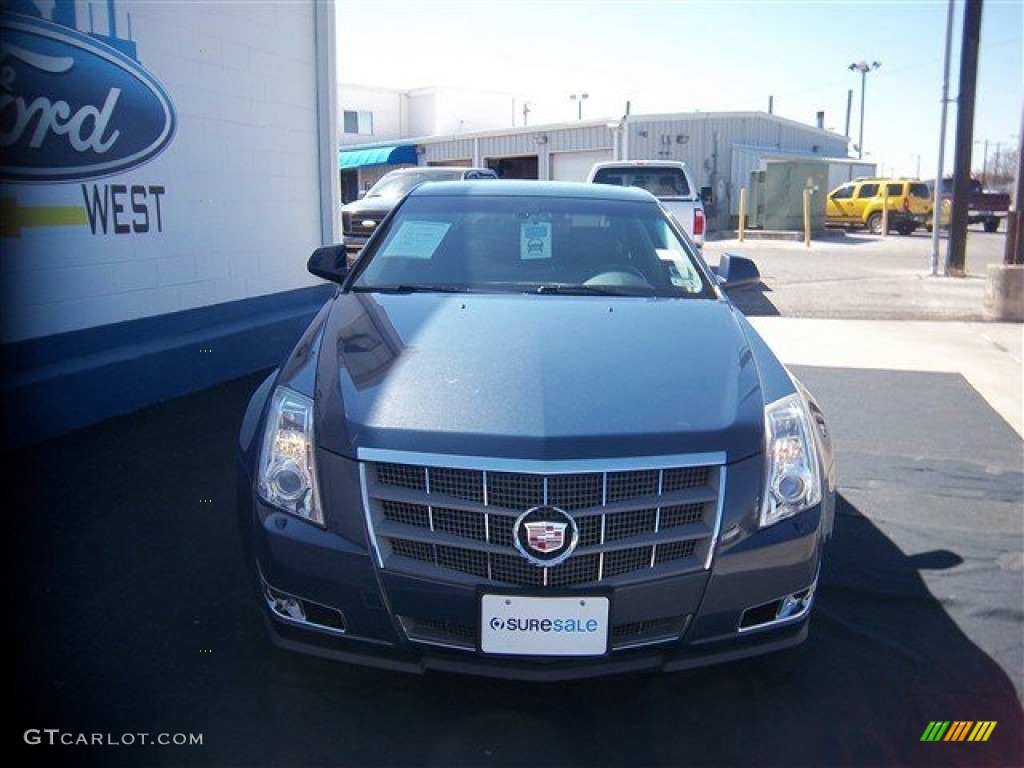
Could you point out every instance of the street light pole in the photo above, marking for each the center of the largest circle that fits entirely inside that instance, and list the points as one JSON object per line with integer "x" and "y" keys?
{"x": 863, "y": 67}
{"x": 579, "y": 99}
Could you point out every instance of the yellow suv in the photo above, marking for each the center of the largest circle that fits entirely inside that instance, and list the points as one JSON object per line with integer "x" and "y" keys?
{"x": 859, "y": 203}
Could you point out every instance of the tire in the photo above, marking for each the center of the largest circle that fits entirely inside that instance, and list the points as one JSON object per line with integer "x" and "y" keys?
{"x": 992, "y": 225}
{"x": 874, "y": 224}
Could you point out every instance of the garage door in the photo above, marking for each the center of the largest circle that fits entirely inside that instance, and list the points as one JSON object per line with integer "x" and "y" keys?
{"x": 575, "y": 166}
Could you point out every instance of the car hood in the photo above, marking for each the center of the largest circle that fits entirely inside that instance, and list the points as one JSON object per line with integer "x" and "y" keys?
{"x": 537, "y": 377}
{"x": 370, "y": 205}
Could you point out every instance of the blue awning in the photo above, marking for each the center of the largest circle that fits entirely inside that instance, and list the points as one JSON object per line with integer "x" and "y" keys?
{"x": 357, "y": 158}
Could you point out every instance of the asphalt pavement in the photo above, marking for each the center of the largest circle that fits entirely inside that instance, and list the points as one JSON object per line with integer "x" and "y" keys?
{"x": 860, "y": 276}
{"x": 863, "y": 301}
{"x": 131, "y": 620}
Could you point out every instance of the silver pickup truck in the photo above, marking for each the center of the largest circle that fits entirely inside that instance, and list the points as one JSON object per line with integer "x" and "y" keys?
{"x": 667, "y": 180}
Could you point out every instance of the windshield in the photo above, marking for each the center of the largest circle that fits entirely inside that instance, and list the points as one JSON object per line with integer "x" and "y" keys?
{"x": 400, "y": 183}
{"x": 532, "y": 244}
{"x": 660, "y": 182}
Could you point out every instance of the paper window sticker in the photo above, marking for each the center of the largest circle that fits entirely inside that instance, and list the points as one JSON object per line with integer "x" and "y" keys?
{"x": 417, "y": 239}
{"x": 535, "y": 240}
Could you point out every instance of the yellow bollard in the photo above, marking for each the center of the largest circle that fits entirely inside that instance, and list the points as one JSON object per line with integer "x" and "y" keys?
{"x": 885, "y": 209}
{"x": 743, "y": 211}
{"x": 807, "y": 217}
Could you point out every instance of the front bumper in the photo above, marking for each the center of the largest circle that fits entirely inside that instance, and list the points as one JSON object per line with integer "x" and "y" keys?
{"x": 354, "y": 243}
{"x": 324, "y": 593}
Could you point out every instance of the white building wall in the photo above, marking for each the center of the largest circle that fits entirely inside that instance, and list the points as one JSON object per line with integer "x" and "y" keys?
{"x": 840, "y": 172}
{"x": 230, "y": 209}
{"x": 422, "y": 112}
{"x": 390, "y": 109}
{"x": 462, "y": 110}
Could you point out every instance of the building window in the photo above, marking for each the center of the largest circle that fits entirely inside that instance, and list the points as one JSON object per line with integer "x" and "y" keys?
{"x": 359, "y": 122}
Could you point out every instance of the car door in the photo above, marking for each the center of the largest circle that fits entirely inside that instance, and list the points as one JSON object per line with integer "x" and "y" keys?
{"x": 839, "y": 205}
{"x": 897, "y": 196}
{"x": 864, "y": 202}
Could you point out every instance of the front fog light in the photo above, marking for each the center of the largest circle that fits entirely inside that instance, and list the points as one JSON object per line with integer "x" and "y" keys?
{"x": 793, "y": 483}
{"x": 287, "y": 471}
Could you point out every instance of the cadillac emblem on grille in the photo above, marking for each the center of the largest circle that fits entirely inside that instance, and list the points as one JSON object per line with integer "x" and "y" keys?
{"x": 545, "y": 535}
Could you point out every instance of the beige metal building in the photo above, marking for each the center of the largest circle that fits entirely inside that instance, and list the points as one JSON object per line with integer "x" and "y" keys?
{"x": 720, "y": 148}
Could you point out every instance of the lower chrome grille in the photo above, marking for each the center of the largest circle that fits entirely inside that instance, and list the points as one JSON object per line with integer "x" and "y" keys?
{"x": 463, "y": 636}
{"x": 453, "y": 519}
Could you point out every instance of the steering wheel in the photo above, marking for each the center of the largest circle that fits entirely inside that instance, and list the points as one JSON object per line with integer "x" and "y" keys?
{"x": 618, "y": 274}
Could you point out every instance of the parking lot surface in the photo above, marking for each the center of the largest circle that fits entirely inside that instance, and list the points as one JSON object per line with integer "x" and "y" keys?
{"x": 132, "y": 620}
{"x": 863, "y": 277}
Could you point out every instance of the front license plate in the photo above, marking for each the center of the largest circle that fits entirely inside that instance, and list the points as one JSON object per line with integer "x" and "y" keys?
{"x": 544, "y": 626}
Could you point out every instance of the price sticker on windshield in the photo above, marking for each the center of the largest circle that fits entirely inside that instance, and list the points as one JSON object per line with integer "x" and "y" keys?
{"x": 417, "y": 239}
{"x": 535, "y": 240}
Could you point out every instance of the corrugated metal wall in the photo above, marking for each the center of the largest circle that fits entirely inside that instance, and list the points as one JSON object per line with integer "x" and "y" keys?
{"x": 721, "y": 149}
{"x": 453, "y": 149}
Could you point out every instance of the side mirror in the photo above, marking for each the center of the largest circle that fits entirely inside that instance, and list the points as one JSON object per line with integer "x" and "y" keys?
{"x": 707, "y": 195}
{"x": 329, "y": 262}
{"x": 737, "y": 272}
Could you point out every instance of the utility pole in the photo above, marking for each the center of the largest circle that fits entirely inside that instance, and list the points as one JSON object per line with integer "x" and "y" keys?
{"x": 956, "y": 256}
{"x": 849, "y": 108}
{"x": 941, "y": 174}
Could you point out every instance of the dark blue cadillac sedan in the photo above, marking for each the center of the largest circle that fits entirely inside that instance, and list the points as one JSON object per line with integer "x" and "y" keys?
{"x": 531, "y": 437}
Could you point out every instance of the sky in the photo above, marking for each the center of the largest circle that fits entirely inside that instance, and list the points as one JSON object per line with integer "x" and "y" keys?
{"x": 666, "y": 56}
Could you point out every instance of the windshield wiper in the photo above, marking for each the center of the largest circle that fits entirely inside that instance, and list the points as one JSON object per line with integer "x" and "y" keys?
{"x": 410, "y": 288}
{"x": 592, "y": 290}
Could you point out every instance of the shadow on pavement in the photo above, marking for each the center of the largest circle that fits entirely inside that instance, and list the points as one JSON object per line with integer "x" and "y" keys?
{"x": 752, "y": 301}
{"x": 131, "y": 615}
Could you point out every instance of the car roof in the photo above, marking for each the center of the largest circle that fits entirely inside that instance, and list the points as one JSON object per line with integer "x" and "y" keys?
{"x": 531, "y": 188}
{"x": 439, "y": 169}
{"x": 640, "y": 164}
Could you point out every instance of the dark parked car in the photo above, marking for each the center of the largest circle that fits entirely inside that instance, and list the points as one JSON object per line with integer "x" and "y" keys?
{"x": 361, "y": 217}
{"x": 531, "y": 437}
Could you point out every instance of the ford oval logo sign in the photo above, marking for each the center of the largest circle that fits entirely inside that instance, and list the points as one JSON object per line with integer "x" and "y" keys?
{"x": 73, "y": 107}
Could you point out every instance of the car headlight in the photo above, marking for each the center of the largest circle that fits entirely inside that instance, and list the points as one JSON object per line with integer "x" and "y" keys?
{"x": 793, "y": 480}
{"x": 287, "y": 472}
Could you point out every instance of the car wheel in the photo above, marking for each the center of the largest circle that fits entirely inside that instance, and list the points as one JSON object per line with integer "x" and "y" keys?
{"x": 991, "y": 225}
{"x": 875, "y": 224}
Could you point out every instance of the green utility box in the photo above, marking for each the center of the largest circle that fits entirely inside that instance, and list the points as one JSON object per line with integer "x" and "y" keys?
{"x": 755, "y": 200}
{"x": 784, "y": 185}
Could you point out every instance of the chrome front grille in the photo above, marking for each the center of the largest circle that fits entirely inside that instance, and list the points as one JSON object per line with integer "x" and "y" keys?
{"x": 352, "y": 223}
{"x": 431, "y": 518}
